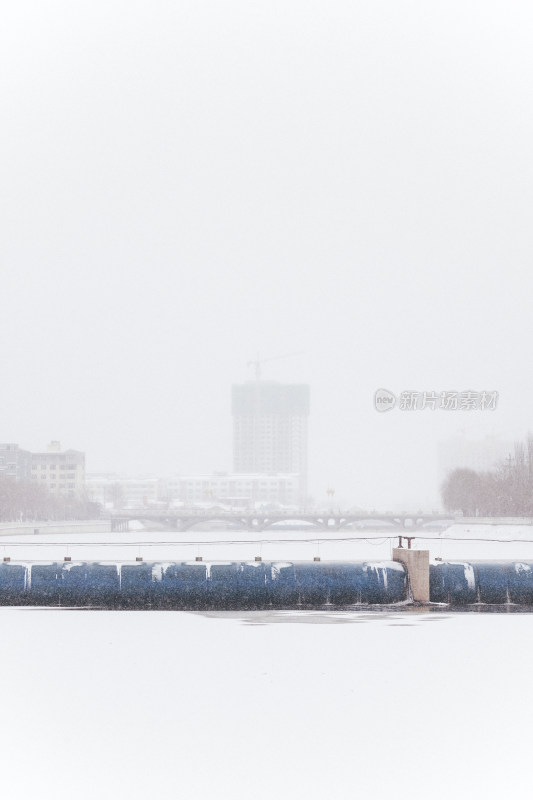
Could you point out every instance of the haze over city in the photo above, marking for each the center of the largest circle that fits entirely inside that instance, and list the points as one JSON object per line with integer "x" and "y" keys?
{"x": 207, "y": 181}
{"x": 239, "y": 240}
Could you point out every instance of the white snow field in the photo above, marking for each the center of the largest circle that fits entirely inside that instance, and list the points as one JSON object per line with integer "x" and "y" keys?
{"x": 392, "y": 704}
{"x": 100, "y": 704}
{"x": 456, "y": 542}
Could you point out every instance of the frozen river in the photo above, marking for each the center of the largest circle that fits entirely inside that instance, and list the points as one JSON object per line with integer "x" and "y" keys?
{"x": 172, "y": 704}
{"x": 128, "y": 704}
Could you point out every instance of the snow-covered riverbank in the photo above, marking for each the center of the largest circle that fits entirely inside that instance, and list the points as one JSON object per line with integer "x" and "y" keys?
{"x": 263, "y": 704}
{"x": 456, "y": 542}
{"x": 170, "y": 704}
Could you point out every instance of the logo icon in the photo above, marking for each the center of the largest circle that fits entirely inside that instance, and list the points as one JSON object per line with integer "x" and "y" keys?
{"x": 384, "y": 400}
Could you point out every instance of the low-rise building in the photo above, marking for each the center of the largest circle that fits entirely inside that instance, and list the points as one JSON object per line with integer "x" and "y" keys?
{"x": 233, "y": 489}
{"x": 62, "y": 472}
{"x": 117, "y": 491}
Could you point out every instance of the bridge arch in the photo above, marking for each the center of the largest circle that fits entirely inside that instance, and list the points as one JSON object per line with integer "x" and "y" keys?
{"x": 303, "y": 524}
{"x": 225, "y": 522}
{"x": 370, "y": 522}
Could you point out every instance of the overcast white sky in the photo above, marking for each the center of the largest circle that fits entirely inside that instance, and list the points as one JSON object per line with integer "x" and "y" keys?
{"x": 186, "y": 183}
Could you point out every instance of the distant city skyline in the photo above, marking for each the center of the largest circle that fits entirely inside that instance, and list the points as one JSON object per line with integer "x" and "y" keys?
{"x": 468, "y": 447}
{"x": 199, "y": 186}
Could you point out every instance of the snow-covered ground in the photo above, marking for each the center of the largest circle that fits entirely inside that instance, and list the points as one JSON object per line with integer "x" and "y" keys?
{"x": 456, "y": 542}
{"x": 127, "y": 704}
{"x": 169, "y": 704}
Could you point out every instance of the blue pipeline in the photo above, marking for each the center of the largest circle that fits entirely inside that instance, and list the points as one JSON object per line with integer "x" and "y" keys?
{"x": 492, "y": 582}
{"x": 259, "y": 584}
{"x": 203, "y": 585}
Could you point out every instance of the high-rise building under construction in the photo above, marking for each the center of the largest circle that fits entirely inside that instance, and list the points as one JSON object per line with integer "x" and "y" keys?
{"x": 270, "y": 429}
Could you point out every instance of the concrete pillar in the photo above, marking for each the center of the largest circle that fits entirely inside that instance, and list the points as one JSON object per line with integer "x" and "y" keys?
{"x": 417, "y": 563}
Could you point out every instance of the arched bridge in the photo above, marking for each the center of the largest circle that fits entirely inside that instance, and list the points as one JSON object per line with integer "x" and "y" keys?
{"x": 259, "y": 521}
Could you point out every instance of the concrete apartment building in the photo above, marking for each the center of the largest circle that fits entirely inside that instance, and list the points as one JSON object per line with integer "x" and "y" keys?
{"x": 62, "y": 472}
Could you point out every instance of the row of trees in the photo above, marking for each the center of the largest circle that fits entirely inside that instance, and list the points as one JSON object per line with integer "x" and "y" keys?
{"x": 505, "y": 491}
{"x": 24, "y": 500}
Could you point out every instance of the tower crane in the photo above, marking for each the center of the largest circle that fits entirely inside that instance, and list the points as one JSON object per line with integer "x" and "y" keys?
{"x": 256, "y": 363}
